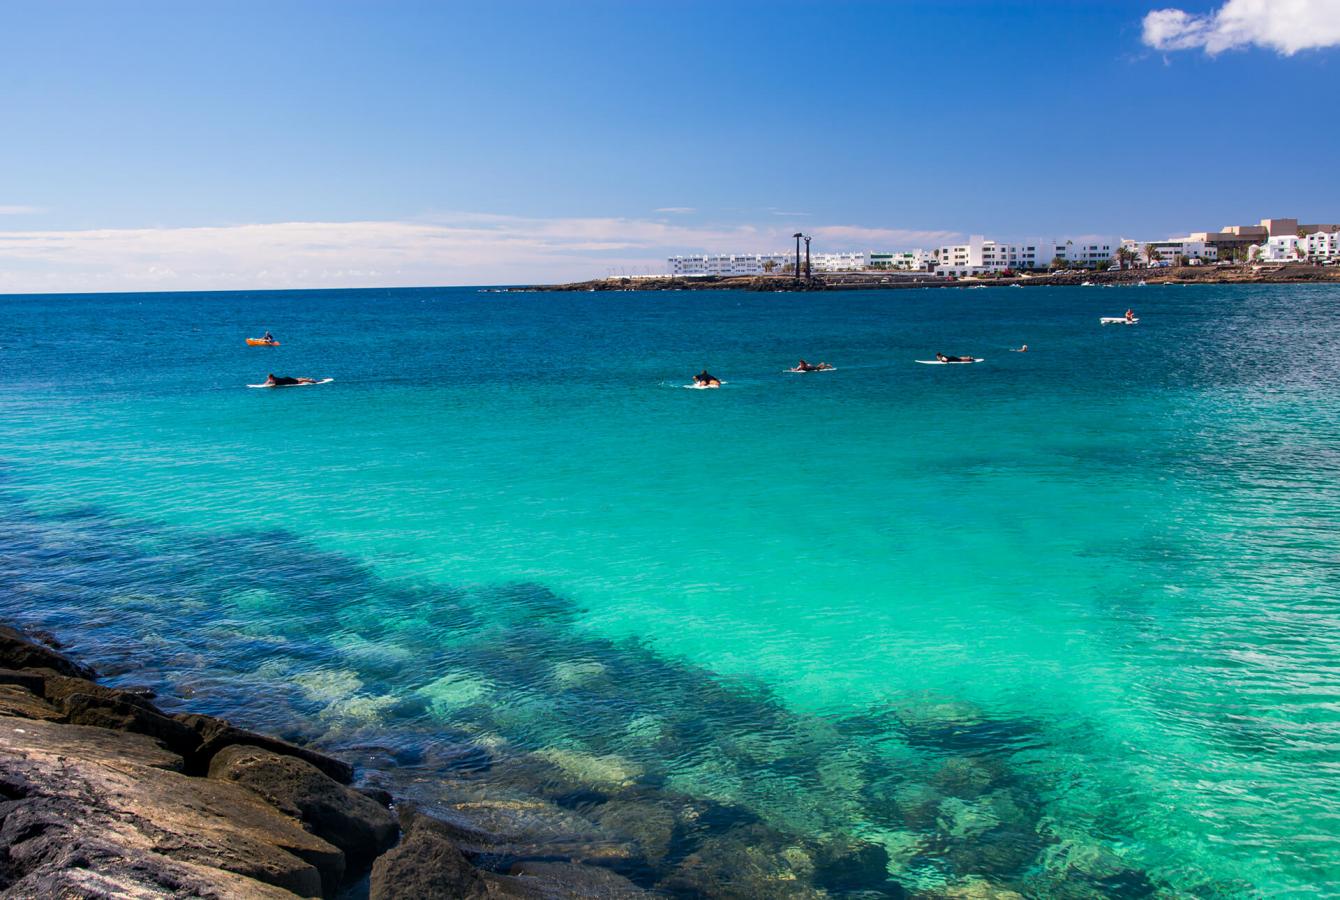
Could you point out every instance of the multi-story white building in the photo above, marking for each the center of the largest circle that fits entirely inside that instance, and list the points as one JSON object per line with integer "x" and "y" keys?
{"x": 979, "y": 255}
{"x": 1319, "y": 246}
{"x": 838, "y": 262}
{"x": 731, "y": 263}
{"x": 768, "y": 263}
{"x": 905, "y": 260}
{"x": 1168, "y": 251}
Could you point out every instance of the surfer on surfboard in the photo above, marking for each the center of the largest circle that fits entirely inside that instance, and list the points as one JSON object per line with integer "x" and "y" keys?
{"x": 1130, "y": 315}
{"x": 803, "y": 366}
{"x": 947, "y": 359}
{"x": 273, "y": 380}
{"x": 1023, "y": 349}
{"x": 706, "y": 379}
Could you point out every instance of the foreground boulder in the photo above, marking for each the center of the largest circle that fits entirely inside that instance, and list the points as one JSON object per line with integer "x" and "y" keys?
{"x": 89, "y": 812}
{"x": 358, "y": 825}
{"x": 426, "y": 864}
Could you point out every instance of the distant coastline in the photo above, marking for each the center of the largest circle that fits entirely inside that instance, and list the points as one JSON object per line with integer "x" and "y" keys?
{"x": 1277, "y": 273}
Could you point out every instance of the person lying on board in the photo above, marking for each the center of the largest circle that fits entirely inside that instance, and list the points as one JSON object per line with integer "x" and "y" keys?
{"x": 273, "y": 380}
{"x": 803, "y": 366}
{"x": 942, "y": 358}
{"x": 704, "y": 378}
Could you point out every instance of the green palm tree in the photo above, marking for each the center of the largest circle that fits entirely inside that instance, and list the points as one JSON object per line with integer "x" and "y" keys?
{"x": 1151, "y": 253}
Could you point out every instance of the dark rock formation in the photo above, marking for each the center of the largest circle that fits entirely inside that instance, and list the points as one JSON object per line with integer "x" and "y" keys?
{"x": 102, "y": 796}
{"x": 359, "y": 826}
{"x": 427, "y": 863}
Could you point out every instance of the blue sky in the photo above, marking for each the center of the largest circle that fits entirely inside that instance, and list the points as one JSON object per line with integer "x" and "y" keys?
{"x": 291, "y": 144}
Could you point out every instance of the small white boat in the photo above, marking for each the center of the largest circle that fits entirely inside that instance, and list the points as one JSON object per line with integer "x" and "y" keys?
{"x": 1118, "y": 320}
{"x": 1087, "y": 284}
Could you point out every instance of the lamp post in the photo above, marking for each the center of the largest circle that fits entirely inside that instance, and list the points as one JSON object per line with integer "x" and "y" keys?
{"x": 797, "y": 236}
{"x": 807, "y": 257}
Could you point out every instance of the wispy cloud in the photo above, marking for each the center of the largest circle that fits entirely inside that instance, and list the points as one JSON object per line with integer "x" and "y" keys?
{"x": 1286, "y": 26}
{"x": 14, "y": 209}
{"x": 783, "y": 212}
{"x": 676, "y": 210}
{"x": 461, "y": 248}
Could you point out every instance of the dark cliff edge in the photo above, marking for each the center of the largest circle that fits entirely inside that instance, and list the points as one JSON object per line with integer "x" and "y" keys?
{"x": 102, "y": 794}
{"x": 860, "y": 281}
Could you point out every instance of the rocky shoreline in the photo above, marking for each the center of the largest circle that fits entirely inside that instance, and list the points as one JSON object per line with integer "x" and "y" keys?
{"x": 852, "y": 281}
{"x": 102, "y": 794}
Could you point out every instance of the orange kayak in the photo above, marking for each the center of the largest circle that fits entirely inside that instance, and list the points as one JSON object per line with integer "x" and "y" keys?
{"x": 261, "y": 342}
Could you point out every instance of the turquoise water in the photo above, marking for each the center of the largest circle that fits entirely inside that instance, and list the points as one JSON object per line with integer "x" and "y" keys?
{"x": 1064, "y": 621}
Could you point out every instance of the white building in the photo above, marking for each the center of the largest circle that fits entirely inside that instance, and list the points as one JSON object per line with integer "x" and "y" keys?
{"x": 1320, "y": 246}
{"x": 731, "y": 263}
{"x": 1168, "y": 251}
{"x": 979, "y": 255}
{"x": 838, "y": 262}
{"x": 905, "y": 260}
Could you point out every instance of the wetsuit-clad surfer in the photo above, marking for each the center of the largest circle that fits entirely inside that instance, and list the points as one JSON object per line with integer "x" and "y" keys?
{"x": 704, "y": 377}
{"x": 273, "y": 380}
{"x": 942, "y": 358}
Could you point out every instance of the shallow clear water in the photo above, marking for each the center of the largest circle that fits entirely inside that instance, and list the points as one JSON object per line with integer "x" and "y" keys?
{"x": 1065, "y": 620}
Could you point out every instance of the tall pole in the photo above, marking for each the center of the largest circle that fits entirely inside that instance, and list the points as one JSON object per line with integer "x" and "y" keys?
{"x": 797, "y": 236}
{"x": 807, "y": 258}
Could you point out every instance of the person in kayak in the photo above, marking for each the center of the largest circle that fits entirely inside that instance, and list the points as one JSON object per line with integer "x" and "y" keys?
{"x": 704, "y": 377}
{"x": 268, "y": 338}
{"x": 942, "y": 358}
{"x": 273, "y": 380}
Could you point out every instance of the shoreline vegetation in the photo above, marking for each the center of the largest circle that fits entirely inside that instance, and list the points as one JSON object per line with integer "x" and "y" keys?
{"x": 1279, "y": 273}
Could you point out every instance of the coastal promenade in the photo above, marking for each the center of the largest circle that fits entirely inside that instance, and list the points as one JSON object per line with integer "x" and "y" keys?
{"x": 865, "y": 281}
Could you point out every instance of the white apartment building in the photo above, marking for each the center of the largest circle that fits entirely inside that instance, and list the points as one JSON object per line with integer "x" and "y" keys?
{"x": 980, "y": 255}
{"x": 838, "y": 262}
{"x": 1168, "y": 251}
{"x": 1320, "y": 246}
{"x": 761, "y": 263}
{"x": 905, "y": 260}
{"x": 731, "y": 263}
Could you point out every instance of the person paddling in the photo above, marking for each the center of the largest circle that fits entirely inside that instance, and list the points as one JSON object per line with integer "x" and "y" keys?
{"x": 268, "y": 338}
{"x": 273, "y": 380}
{"x": 948, "y": 359}
{"x": 706, "y": 378}
{"x": 1130, "y": 315}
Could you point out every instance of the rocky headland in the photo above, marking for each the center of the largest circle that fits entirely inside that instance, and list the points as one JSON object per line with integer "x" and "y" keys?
{"x": 854, "y": 281}
{"x": 104, "y": 795}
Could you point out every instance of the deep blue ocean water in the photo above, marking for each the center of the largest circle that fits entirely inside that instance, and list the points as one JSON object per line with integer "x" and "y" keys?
{"x": 1063, "y": 622}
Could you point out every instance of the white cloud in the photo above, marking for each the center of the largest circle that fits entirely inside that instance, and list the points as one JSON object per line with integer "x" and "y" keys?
{"x": 19, "y": 210}
{"x": 677, "y": 210}
{"x": 1286, "y": 26}
{"x": 462, "y": 248}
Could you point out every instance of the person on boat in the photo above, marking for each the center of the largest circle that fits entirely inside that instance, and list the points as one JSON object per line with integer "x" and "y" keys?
{"x": 268, "y": 338}
{"x": 947, "y": 359}
{"x": 704, "y": 377}
{"x": 273, "y": 380}
{"x": 1130, "y": 315}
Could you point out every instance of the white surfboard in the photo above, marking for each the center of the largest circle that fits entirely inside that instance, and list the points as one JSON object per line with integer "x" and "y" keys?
{"x": 1118, "y": 320}
{"x": 304, "y": 384}
{"x": 952, "y": 362}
